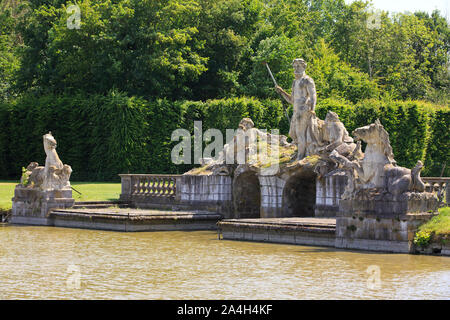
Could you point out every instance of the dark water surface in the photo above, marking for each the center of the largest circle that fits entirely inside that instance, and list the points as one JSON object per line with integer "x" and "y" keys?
{"x": 59, "y": 263}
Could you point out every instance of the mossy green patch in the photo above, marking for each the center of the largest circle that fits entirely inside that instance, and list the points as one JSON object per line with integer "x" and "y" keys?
{"x": 311, "y": 160}
{"x": 272, "y": 154}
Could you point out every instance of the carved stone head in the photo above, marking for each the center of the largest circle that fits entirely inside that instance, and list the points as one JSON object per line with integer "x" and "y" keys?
{"x": 376, "y": 134}
{"x": 299, "y": 66}
{"x": 32, "y": 165}
{"x": 246, "y": 124}
{"x": 49, "y": 141}
{"x": 371, "y": 133}
{"x": 334, "y": 130}
{"x": 332, "y": 117}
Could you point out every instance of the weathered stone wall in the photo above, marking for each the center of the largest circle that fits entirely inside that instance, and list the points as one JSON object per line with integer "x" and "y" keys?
{"x": 247, "y": 195}
{"x": 391, "y": 231}
{"x": 416, "y": 203}
{"x": 436, "y": 247}
{"x": 279, "y": 231}
{"x": 329, "y": 190}
{"x": 132, "y": 220}
{"x": 32, "y": 206}
{"x": 206, "y": 192}
{"x": 271, "y": 196}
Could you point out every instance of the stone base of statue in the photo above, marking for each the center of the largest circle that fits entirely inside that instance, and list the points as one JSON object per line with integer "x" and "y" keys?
{"x": 32, "y": 206}
{"x": 384, "y": 223}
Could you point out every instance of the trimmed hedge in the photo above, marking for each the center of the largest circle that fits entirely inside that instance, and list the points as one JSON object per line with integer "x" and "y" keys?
{"x": 102, "y": 136}
{"x": 417, "y": 130}
{"x": 98, "y": 136}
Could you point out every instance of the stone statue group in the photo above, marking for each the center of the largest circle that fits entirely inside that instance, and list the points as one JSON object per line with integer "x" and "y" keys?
{"x": 308, "y": 132}
{"x": 54, "y": 175}
{"x": 374, "y": 170}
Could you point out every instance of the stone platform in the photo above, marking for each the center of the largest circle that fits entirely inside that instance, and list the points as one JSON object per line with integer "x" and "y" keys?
{"x": 383, "y": 224}
{"x": 303, "y": 231}
{"x": 128, "y": 219}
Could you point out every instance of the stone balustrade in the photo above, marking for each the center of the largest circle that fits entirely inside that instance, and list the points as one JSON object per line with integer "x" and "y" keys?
{"x": 156, "y": 187}
{"x": 438, "y": 185}
{"x": 146, "y": 189}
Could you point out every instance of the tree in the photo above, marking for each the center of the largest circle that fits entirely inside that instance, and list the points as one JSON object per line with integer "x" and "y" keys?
{"x": 10, "y": 41}
{"x": 335, "y": 78}
{"x": 149, "y": 48}
{"x": 226, "y": 27}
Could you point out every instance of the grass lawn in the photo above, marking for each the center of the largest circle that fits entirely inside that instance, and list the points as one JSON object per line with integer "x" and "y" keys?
{"x": 439, "y": 225}
{"x": 90, "y": 191}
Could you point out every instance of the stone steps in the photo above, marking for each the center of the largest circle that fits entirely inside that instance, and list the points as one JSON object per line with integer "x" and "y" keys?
{"x": 302, "y": 231}
{"x": 99, "y": 204}
{"x": 304, "y": 224}
{"x": 131, "y": 219}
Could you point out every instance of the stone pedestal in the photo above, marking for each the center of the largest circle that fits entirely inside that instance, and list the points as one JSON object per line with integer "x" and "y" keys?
{"x": 32, "y": 206}
{"x": 382, "y": 224}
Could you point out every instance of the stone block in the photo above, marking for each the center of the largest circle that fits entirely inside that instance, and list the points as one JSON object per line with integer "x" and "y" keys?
{"x": 260, "y": 236}
{"x": 32, "y": 206}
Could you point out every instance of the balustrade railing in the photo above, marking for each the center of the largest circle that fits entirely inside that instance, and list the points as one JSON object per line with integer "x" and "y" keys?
{"x": 165, "y": 186}
{"x": 440, "y": 186}
{"x": 149, "y": 185}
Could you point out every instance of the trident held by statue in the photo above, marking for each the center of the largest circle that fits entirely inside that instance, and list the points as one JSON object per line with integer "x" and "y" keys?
{"x": 275, "y": 83}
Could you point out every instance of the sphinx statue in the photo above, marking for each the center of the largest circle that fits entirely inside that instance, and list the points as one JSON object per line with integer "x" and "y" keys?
{"x": 54, "y": 175}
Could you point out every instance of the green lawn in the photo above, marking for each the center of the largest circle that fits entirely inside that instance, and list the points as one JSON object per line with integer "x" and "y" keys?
{"x": 439, "y": 225}
{"x": 90, "y": 191}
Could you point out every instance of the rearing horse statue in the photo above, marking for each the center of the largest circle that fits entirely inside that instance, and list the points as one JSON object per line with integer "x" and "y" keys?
{"x": 378, "y": 169}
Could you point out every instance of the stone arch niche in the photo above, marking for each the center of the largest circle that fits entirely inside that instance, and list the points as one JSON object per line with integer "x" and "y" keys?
{"x": 246, "y": 196}
{"x": 299, "y": 195}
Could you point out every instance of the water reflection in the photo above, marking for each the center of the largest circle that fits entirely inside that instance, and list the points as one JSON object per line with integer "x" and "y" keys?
{"x": 45, "y": 262}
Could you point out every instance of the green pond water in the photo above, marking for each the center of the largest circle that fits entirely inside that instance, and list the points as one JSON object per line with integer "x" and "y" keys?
{"x": 59, "y": 263}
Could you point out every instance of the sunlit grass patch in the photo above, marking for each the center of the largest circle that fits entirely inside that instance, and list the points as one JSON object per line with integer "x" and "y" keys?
{"x": 439, "y": 225}
{"x": 90, "y": 191}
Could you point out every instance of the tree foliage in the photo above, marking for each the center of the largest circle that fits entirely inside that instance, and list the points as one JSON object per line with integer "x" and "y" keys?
{"x": 114, "y": 89}
{"x": 205, "y": 49}
{"x": 101, "y": 136}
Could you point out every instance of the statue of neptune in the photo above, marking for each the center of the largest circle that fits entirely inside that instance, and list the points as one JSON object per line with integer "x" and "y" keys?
{"x": 304, "y": 127}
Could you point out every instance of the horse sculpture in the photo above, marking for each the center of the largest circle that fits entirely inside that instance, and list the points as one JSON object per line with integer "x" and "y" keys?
{"x": 378, "y": 170}
{"x": 54, "y": 175}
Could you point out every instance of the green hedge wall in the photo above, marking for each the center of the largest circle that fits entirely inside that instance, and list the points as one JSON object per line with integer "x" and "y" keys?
{"x": 102, "y": 136}
{"x": 417, "y": 130}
